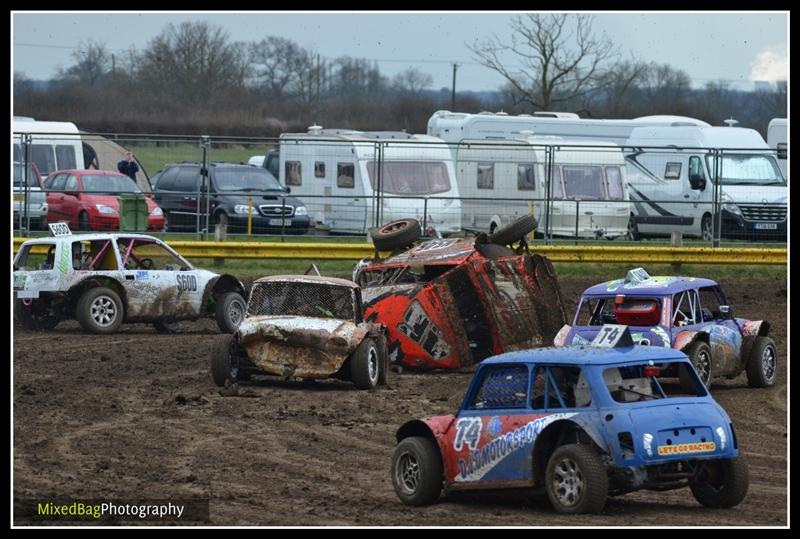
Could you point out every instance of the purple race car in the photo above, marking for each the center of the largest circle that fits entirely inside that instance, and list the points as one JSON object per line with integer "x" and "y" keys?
{"x": 685, "y": 313}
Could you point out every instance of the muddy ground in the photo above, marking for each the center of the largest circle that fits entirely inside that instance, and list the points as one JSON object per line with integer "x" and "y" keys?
{"x": 135, "y": 415}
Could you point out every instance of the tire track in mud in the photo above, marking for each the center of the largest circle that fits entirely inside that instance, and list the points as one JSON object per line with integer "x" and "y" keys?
{"x": 136, "y": 415}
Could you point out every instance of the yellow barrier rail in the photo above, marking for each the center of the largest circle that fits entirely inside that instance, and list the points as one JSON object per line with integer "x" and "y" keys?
{"x": 606, "y": 254}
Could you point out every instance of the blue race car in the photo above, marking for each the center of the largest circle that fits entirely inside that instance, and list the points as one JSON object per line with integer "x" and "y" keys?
{"x": 581, "y": 423}
{"x": 685, "y": 313}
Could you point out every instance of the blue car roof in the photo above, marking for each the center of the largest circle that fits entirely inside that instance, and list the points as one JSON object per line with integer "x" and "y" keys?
{"x": 588, "y": 355}
{"x": 661, "y": 285}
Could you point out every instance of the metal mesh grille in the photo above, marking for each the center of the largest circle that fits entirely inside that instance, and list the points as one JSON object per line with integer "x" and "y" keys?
{"x": 764, "y": 213}
{"x": 504, "y": 388}
{"x": 301, "y": 299}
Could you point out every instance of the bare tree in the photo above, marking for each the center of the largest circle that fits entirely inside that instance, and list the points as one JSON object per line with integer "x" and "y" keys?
{"x": 92, "y": 63}
{"x": 668, "y": 90}
{"x": 278, "y": 62}
{"x": 559, "y": 61}
{"x": 192, "y": 61}
{"x": 619, "y": 84}
{"x": 412, "y": 81}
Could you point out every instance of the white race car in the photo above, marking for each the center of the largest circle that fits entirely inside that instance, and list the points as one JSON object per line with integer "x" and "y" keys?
{"x": 103, "y": 280}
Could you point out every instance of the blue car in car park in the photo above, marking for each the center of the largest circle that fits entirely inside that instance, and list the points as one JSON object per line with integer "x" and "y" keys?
{"x": 580, "y": 423}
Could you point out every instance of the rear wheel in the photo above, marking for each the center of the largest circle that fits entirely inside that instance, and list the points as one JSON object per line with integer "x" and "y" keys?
{"x": 417, "y": 471}
{"x": 762, "y": 363}
{"x": 706, "y": 228}
{"x": 633, "y": 230}
{"x": 515, "y": 231}
{"x": 576, "y": 479}
{"x": 722, "y": 483}
{"x": 229, "y": 311}
{"x": 396, "y": 235}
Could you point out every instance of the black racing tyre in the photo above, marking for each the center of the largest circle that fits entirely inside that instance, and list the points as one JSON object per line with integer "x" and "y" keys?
{"x": 515, "y": 231}
{"x": 33, "y": 317}
{"x": 396, "y": 235}
{"x": 224, "y": 360}
{"x": 166, "y": 327}
{"x": 230, "y": 311}
{"x": 576, "y": 480}
{"x": 700, "y": 355}
{"x": 722, "y": 483}
{"x": 762, "y": 363}
{"x": 417, "y": 471}
{"x": 100, "y": 310}
{"x": 366, "y": 365}
{"x": 83, "y": 221}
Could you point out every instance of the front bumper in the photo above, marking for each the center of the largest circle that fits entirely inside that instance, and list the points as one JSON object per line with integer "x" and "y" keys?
{"x": 299, "y": 224}
{"x": 736, "y": 226}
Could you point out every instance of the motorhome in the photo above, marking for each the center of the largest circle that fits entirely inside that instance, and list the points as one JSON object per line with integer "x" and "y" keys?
{"x": 345, "y": 177}
{"x": 54, "y": 145}
{"x": 777, "y": 140}
{"x": 501, "y": 180}
{"x": 457, "y": 126}
{"x": 671, "y": 176}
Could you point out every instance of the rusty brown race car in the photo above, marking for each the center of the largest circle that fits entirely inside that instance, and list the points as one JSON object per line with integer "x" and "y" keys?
{"x": 449, "y": 303}
{"x": 303, "y": 326}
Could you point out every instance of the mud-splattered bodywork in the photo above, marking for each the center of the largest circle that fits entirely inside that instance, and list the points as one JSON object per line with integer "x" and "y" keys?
{"x": 686, "y": 310}
{"x": 451, "y": 303}
{"x": 303, "y": 327}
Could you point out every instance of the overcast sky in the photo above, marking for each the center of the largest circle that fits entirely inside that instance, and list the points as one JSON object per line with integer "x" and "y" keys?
{"x": 738, "y": 47}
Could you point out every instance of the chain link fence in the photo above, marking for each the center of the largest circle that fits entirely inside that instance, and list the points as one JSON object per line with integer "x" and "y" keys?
{"x": 342, "y": 182}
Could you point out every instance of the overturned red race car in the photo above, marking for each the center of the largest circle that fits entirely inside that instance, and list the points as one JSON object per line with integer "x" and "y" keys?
{"x": 450, "y": 303}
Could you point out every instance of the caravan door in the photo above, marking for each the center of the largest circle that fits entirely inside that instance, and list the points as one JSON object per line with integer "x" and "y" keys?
{"x": 348, "y": 206}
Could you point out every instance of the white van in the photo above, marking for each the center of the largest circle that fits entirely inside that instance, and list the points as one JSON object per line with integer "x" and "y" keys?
{"x": 777, "y": 139}
{"x": 54, "y": 145}
{"x": 337, "y": 173}
{"x": 672, "y": 189}
{"x": 502, "y": 180}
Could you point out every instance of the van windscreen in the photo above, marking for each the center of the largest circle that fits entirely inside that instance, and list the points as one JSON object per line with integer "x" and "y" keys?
{"x": 410, "y": 177}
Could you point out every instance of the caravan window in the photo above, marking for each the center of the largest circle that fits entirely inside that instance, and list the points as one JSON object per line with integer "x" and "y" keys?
{"x": 319, "y": 169}
{"x": 614, "y": 180}
{"x": 410, "y": 177}
{"x": 526, "y": 177}
{"x": 583, "y": 182}
{"x": 42, "y": 156}
{"x": 485, "y": 175}
{"x": 294, "y": 173}
{"x": 345, "y": 175}
{"x": 65, "y": 156}
{"x": 672, "y": 171}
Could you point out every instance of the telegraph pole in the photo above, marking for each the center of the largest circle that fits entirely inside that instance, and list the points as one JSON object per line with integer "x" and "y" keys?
{"x": 453, "y": 96}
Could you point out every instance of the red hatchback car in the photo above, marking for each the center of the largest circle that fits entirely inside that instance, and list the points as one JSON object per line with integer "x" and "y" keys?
{"x": 88, "y": 199}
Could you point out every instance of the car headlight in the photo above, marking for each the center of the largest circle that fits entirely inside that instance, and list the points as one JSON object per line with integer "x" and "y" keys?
{"x": 102, "y": 208}
{"x": 156, "y": 212}
{"x": 728, "y": 205}
{"x": 301, "y": 210}
{"x": 243, "y": 209}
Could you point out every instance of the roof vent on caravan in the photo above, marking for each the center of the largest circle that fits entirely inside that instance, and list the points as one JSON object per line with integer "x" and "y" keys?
{"x": 315, "y": 130}
{"x": 730, "y": 122}
{"x": 547, "y": 114}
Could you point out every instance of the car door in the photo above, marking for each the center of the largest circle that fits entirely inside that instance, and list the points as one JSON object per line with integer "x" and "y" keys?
{"x": 71, "y": 201}
{"x": 55, "y": 197}
{"x": 185, "y": 190}
{"x": 165, "y": 196}
{"x": 725, "y": 335}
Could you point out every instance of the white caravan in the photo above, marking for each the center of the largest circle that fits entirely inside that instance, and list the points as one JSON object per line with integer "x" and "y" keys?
{"x": 337, "y": 173}
{"x": 456, "y": 126}
{"x": 54, "y": 145}
{"x": 777, "y": 139}
{"x": 670, "y": 177}
{"x": 502, "y": 180}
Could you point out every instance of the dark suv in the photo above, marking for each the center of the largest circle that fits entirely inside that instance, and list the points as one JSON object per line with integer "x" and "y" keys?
{"x": 236, "y": 190}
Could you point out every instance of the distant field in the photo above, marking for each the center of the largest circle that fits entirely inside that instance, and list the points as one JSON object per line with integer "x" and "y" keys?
{"x": 153, "y": 158}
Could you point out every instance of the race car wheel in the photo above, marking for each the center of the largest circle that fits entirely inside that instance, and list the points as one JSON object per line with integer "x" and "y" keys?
{"x": 721, "y": 483}
{"x": 417, "y": 471}
{"x": 166, "y": 327}
{"x": 576, "y": 480}
{"x": 33, "y": 317}
{"x": 366, "y": 365}
{"x": 229, "y": 311}
{"x": 224, "y": 360}
{"x": 100, "y": 311}
{"x": 762, "y": 363}
{"x": 515, "y": 231}
{"x": 700, "y": 355}
{"x": 396, "y": 235}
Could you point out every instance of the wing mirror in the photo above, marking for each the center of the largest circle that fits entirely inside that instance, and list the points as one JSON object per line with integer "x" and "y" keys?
{"x": 697, "y": 182}
{"x": 726, "y": 311}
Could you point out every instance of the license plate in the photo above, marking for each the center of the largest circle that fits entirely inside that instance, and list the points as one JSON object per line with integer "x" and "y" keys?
{"x": 280, "y": 222}
{"x": 766, "y": 226}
